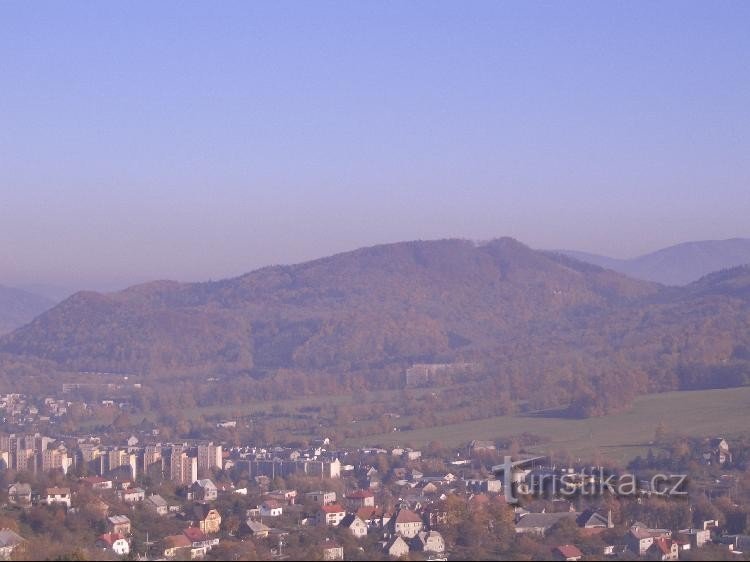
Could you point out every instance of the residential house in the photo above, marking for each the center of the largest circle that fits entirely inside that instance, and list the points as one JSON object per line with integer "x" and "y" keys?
{"x": 321, "y": 498}
{"x": 540, "y": 523}
{"x": 332, "y": 551}
{"x": 207, "y": 519}
{"x": 288, "y": 497}
{"x": 176, "y": 545}
{"x": 428, "y": 541}
{"x": 119, "y": 524}
{"x": 411, "y": 455}
{"x": 157, "y": 504}
{"x": 360, "y": 498}
{"x": 406, "y": 523}
{"x": 717, "y": 451}
{"x": 490, "y": 486}
{"x": 697, "y": 538}
{"x": 132, "y": 495}
{"x": 568, "y": 552}
{"x": 204, "y": 490}
{"x": 59, "y": 496}
{"x": 10, "y": 541}
{"x": 256, "y": 529}
{"x": 640, "y": 538}
{"x": 200, "y": 543}
{"x": 663, "y": 549}
{"x": 271, "y": 508}
{"x": 595, "y": 519}
{"x": 98, "y": 507}
{"x": 98, "y": 482}
{"x": 374, "y": 517}
{"x": 114, "y": 542}
{"x": 330, "y": 515}
{"x": 736, "y": 543}
{"x": 19, "y": 494}
{"x": 356, "y": 526}
{"x": 396, "y": 547}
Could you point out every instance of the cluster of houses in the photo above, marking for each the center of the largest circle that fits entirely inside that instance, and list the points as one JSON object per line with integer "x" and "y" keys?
{"x": 402, "y": 507}
{"x": 639, "y": 540}
{"x": 402, "y": 530}
{"x": 17, "y": 409}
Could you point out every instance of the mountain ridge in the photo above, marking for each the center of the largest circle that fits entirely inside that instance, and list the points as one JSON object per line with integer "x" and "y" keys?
{"x": 676, "y": 265}
{"x": 410, "y": 298}
{"x": 18, "y": 307}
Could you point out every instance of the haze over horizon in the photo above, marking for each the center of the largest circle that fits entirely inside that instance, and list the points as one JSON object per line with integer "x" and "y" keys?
{"x": 141, "y": 142}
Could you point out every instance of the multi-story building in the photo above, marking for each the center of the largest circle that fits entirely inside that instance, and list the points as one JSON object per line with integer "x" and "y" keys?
{"x": 283, "y": 468}
{"x": 152, "y": 458}
{"x": 209, "y": 458}
{"x": 55, "y": 459}
{"x": 183, "y": 469}
{"x": 121, "y": 459}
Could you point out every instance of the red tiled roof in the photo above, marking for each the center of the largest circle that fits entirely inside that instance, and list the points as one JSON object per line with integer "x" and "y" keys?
{"x": 664, "y": 545}
{"x": 94, "y": 479}
{"x": 110, "y": 538}
{"x": 333, "y": 508}
{"x": 569, "y": 551}
{"x": 177, "y": 541}
{"x": 369, "y": 512}
{"x": 407, "y": 516}
{"x": 194, "y": 534}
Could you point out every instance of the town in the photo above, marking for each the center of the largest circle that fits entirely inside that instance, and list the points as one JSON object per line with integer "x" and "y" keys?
{"x": 110, "y": 496}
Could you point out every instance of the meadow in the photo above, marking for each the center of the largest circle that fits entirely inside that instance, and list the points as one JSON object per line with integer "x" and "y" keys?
{"x": 618, "y": 437}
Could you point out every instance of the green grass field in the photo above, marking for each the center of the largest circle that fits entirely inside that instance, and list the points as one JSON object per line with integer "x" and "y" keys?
{"x": 618, "y": 437}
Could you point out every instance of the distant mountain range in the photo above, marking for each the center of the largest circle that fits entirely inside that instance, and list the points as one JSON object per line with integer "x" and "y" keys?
{"x": 540, "y": 324}
{"x": 19, "y": 307}
{"x": 676, "y": 265}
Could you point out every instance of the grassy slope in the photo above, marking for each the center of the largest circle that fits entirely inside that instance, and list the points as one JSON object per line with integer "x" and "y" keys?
{"x": 618, "y": 437}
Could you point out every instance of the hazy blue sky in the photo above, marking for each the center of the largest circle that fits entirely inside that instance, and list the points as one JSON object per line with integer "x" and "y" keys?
{"x": 199, "y": 140}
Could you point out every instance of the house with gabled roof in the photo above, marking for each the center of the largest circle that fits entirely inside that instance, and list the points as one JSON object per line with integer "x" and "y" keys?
{"x": 270, "y": 508}
{"x": 157, "y": 504}
{"x": 174, "y": 545}
{"x": 207, "y": 519}
{"x": 374, "y": 517}
{"x": 568, "y": 552}
{"x": 356, "y": 526}
{"x": 540, "y": 523}
{"x": 396, "y": 547}
{"x": 663, "y": 549}
{"x": 360, "y": 498}
{"x": 204, "y": 490}
{"x": 330, "y": 515}
{"x": 115, "y": 542}
{"x": 595, "y": 519}
{"x": 406, "y": 523}
{"x": 256, "y": 528}
{"x": 56, "y": 495}
{"x": 9, "y": 542}
{"x": 19, "y": 494}
{"x": 640, "y": 537}
{"x": 332, "y": 550}
{"x": 428, "y": 541}
{"x": 119, "y": 524}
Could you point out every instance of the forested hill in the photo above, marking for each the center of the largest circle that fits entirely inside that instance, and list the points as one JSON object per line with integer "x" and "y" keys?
{"x": 538, "y": 325}
{"x": 393, "y": 303}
